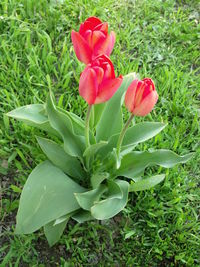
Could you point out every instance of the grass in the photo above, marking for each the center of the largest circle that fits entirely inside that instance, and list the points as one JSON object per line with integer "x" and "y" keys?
{"x": 159, "y": 39}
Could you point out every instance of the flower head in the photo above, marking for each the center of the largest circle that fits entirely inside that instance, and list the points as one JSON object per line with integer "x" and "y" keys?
{"x": 98, "y": 82}
{"x": 141, "y": 97}
{"x": 92, "y": 40}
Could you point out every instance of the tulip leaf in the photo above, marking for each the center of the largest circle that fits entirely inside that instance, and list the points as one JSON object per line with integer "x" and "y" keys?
{"x": 142, "y": 132}
{"x": 82, "y": 216}
{"x": 114, "y": 190}
{"x": 86, "y": 199}
{"x": 92, "y": 149}
{"x": 97, "y": 110}
{"x": 79, "y": 126}
{"x": 111, "y": 206}
{"x": 63, "y": 218}
{"x": 47, "y": 195}
{"x": 54, "y": 231}
{"x": 110, "y": 122}
{"x": 135, "y": 162}
{"x": 134, "y": 135}
{"x": 98, "y": 178}
{"x": 56, "y": 154}
{"x": 73, "y": 144}
{"x": 33, "y": 115}
{"x": 77, "y": 122}
{"x": 146, "y": 183}
{"x": 112, "y": 143}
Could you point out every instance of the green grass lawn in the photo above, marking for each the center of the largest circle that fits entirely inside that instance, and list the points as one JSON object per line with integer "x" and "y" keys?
{"x": 157, "y": 39}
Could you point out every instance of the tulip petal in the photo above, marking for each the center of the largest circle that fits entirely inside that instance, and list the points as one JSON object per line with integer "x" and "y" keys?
{"x": 108, "y": 67}
{"x": 88, "y": 38}
{"x": 106, "y": 46}
{"x": 149, "y": 86}
{"x": 102, "y": 27}
{"x": 94, "y": 21}
{"x": 97, "y": 38}
{"x": 81, "y": 48}
{"x": 88, "y": 85}
{"x": 111, "y": 42}
{"x": 100, "y": 73}
{"x": 141, "y": 87}
{"x": 107, "y": 89}
{"x": 90, "y": 24}
{"x": 146, "y": 105}
{"x": 130, "y": 95}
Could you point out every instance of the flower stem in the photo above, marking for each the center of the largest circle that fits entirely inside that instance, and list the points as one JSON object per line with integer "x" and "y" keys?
{"x": 87, "y": 131}
{"x": 121, "y": 137}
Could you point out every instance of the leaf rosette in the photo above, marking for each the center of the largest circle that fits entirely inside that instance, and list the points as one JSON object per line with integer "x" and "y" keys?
{"x": 92, "y": 166}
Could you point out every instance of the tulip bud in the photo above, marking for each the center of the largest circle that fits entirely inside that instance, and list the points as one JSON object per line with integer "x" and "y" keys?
{"x": 141, "y": 97}
{"x": 92, "y": 40}
{"x": 98, "y": 82}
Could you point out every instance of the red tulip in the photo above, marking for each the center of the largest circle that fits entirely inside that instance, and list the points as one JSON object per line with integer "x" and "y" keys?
{"x": 92, "y": 40}
{"x": 98, "y": 82}
{"x": 141, "y": 97}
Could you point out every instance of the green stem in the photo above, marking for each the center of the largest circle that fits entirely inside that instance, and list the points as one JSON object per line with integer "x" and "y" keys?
{"x": 87, "y": 131}
{"x": 121, "y": 137}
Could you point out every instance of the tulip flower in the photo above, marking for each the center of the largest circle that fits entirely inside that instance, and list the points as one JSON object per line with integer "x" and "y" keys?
{"x": 92, "y": 40}
{"x": 98, "y": 82}
{"x": 141, "y": 97}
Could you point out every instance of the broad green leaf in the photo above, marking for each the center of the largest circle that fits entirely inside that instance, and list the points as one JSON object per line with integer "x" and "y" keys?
{"x": 138, "y": 178}
{"x": 110, "y": 206}
{"x": 92, "y": 149}
{"x": 82, "y": 216}
{"x": 110, "y": 162}
{"x": 110, "y": 122}
{"x": 134, "y": 135}
{"x": 112, "y": 143}
{"x": 61, "y": 159}
{"x": 135, "y": 162}
{"x": 30, "y": 113}
{"x": 73, "y": 144}
{"x": 47, "y": 195}
{"x": 114, "y": 190}
{"x": 98, "y": 178}
{"x": 142, "y": 132}
{"x": 54, "y": 231}
{"x": 98, "y": 110}
{"x": 86, "y": 199}
{"x": 146, "y": 183}
{"x": 33, "y": 115}
{"x": 63, "y": 218}
{"x": 78, "y": 124}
